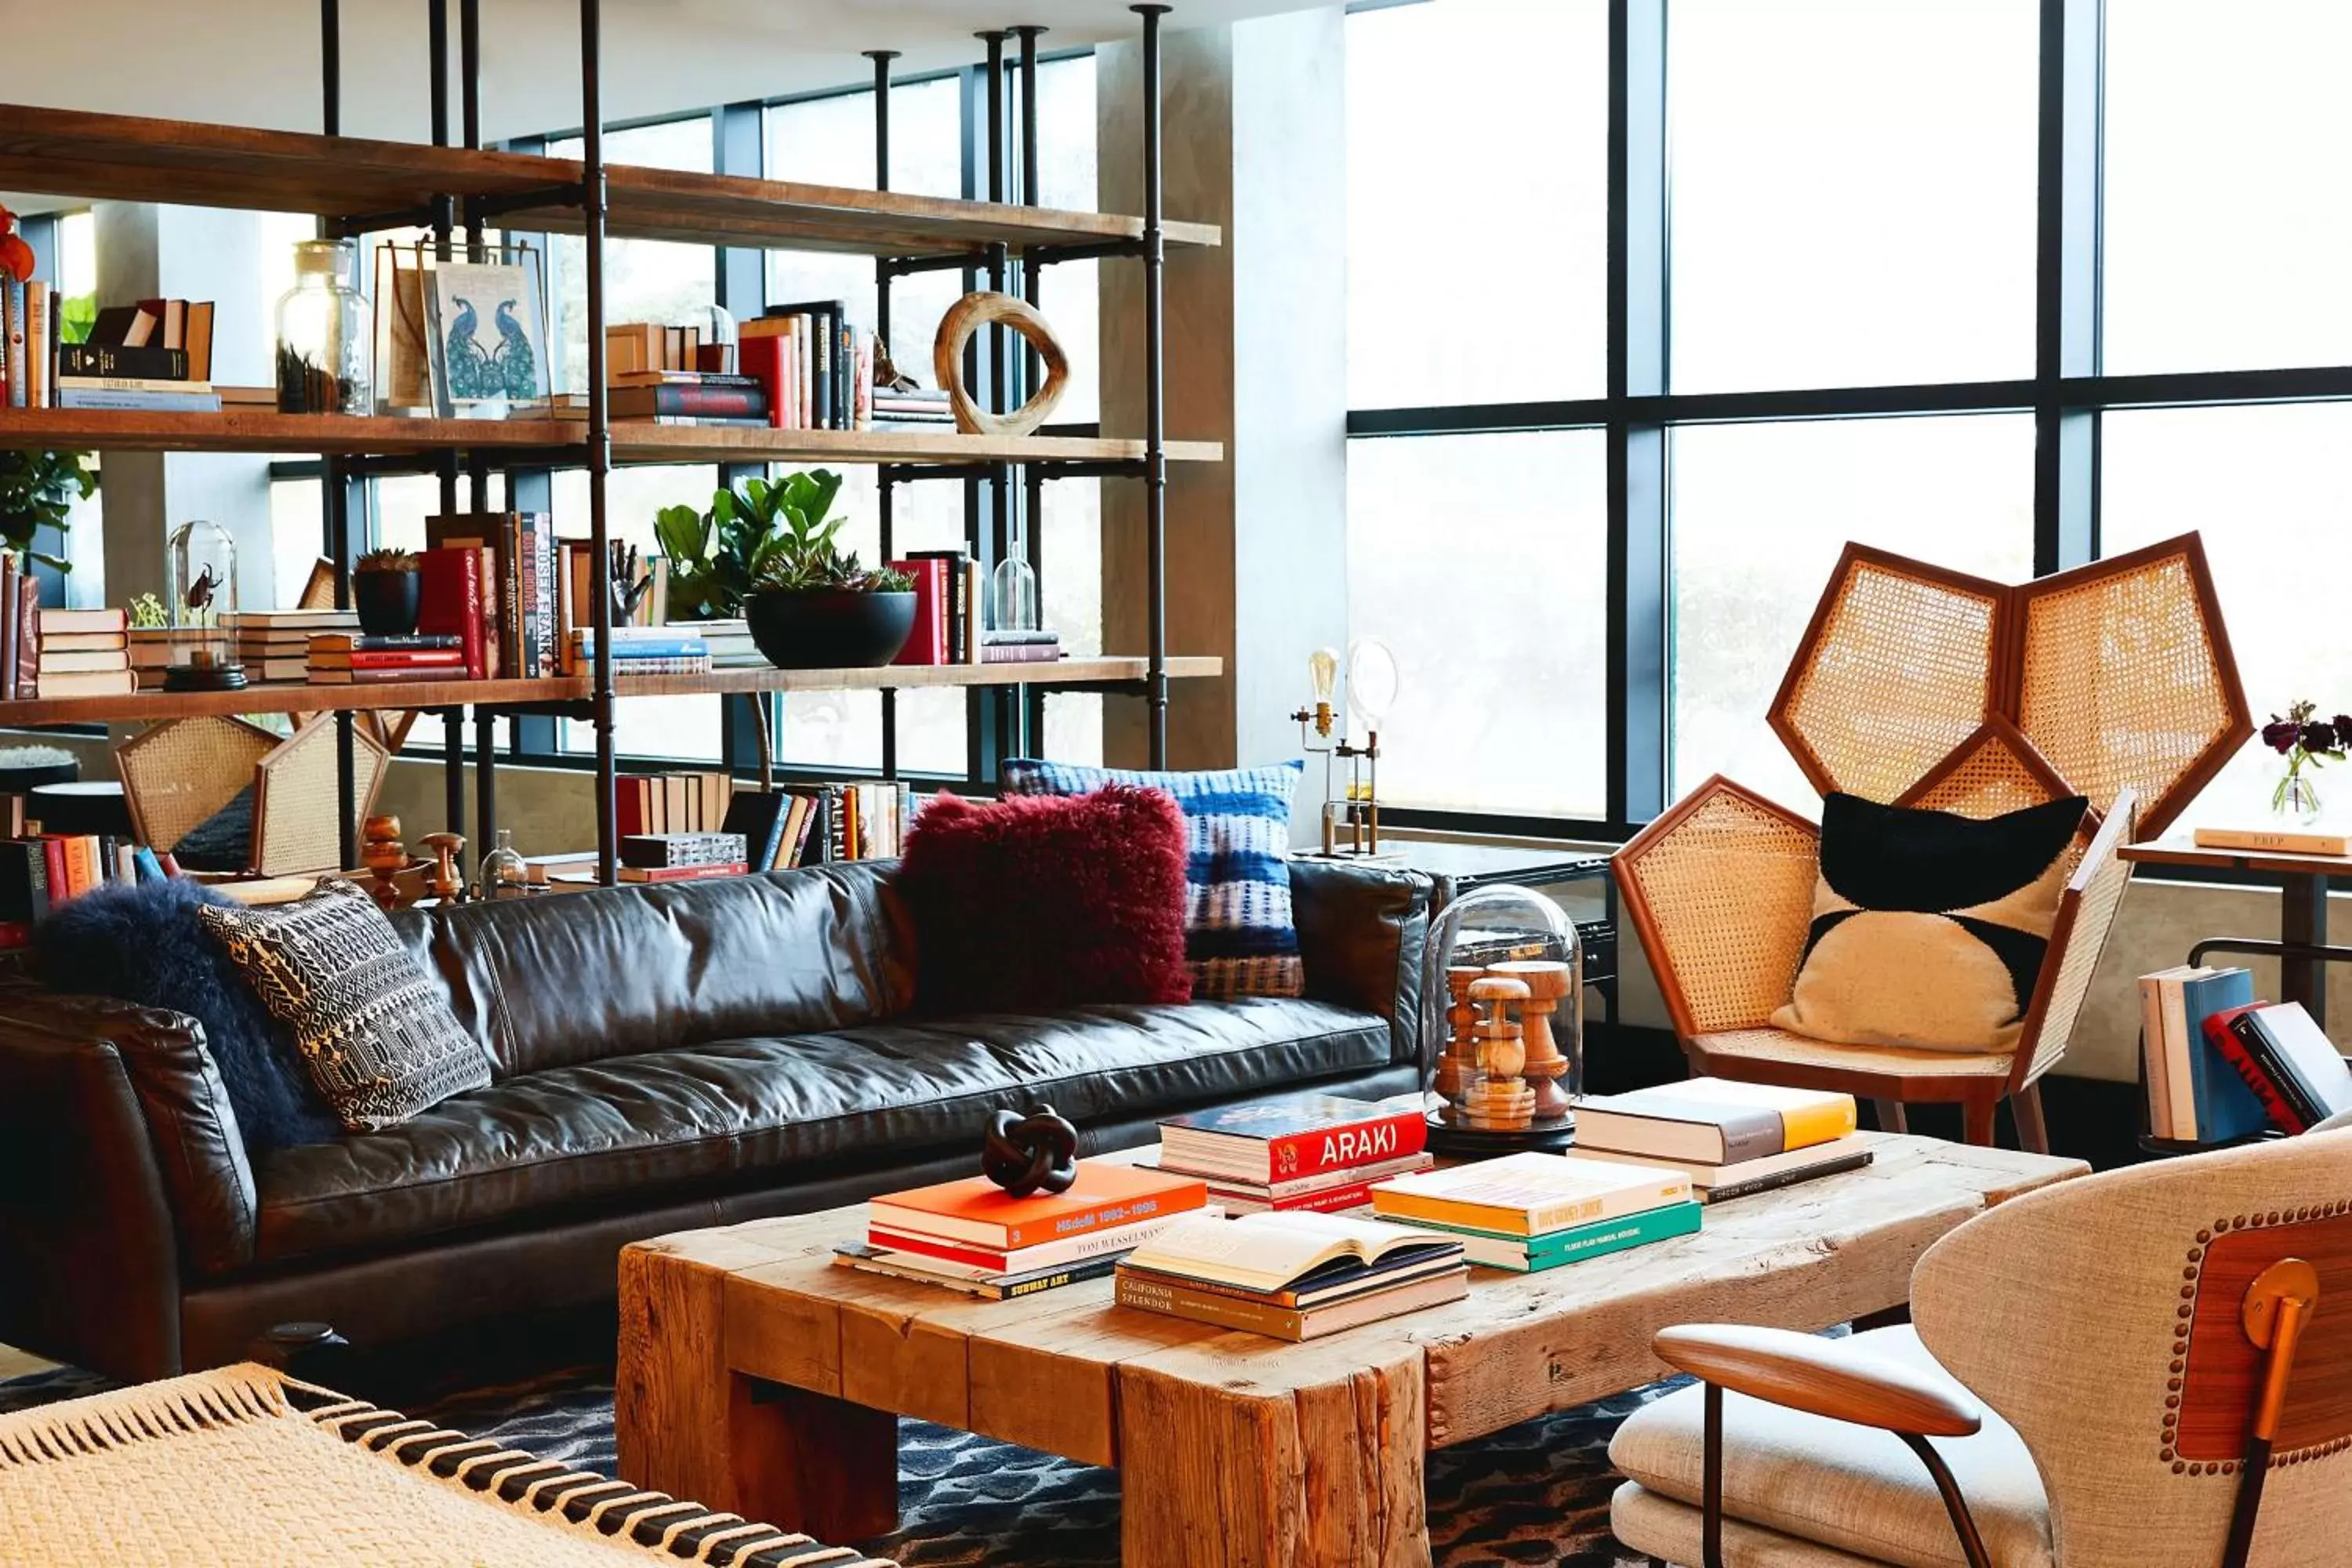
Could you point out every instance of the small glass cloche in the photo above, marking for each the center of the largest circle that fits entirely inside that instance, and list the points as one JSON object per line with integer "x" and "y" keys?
{"x": 1502, "y": 1023}
{"x": 203, "y": 610}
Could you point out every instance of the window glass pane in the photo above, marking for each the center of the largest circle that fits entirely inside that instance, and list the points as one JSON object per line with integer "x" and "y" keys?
{"x": 2269, "y": 491}
{"x": 1501, "y": 699}
{"x": 1477, "y": 202}
{"x": 1760, "y": 512}
{"x": 685, "y": 727}
{"x": 1066, "y": 178}
{"x": 645, "y": 279}
{"x": 2229, "y": 142}
{"x": 1853, "y": 190}
{"x": 297, "y": 533}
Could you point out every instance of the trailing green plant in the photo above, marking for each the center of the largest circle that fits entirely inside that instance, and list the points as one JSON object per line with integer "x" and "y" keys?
{"x": 386, "y": 560}
{"x": 761, "y": 537}
{"x": 37, "y": 491}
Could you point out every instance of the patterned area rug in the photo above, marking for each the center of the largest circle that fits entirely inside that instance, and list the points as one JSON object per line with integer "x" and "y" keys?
{"x": 1535, "y": 1494}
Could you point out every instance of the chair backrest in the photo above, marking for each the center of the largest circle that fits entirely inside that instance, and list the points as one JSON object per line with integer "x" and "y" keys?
{"x": 1995, "y": 771}
{"x": 2101, "y": 1318}
{"x": 1721, "y": 891}
{"x": 2086, "y": 918}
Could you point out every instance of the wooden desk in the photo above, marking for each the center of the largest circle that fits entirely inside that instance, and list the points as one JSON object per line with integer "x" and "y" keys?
{"x": 757, "y": 1376}
{"x": 2302, "y": 948}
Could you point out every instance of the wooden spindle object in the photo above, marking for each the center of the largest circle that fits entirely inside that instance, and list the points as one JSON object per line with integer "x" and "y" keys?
{"x": 1460, "y": 1059}
{"x": 1547, "y": 982}
{"x": 1499, "y": 1099}
{"x": 444, "y": 882}
{"x": 386, "y": 856}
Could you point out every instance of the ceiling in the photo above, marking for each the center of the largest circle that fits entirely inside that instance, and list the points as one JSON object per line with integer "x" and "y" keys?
{"x": 256, "y": 62}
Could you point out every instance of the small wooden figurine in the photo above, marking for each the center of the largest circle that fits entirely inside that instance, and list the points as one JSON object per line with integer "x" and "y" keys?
{"x": 1460, "y": 1058}
{"x": 1500, "y": 1100}
{"x": 444, "y": 881}
{"x": 1547, "y": 982}
{"x": 386, "y": 856}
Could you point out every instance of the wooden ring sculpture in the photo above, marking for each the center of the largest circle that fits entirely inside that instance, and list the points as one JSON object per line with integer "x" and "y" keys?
{"x": 970, "y": 314}
{"x": 1032, "y": 1153}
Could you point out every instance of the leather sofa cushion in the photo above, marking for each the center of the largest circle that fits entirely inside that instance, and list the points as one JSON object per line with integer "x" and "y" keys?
{"x": 558, "y": 981}
{"x": 716, "y": 1114}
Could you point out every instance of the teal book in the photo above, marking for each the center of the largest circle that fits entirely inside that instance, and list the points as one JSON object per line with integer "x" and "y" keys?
{"x": 2226, "y": 1108}
{"x": 1529, "y": 1255}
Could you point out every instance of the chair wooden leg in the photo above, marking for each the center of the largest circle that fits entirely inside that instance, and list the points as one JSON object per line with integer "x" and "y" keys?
{"x": 1891, "y": 1116}
{"x": 1976, "y": 1122}
{"x": 2033, "y": 1131}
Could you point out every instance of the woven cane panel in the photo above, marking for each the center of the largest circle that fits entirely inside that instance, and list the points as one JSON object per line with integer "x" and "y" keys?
{"x": 295, "y": 799}
{"x": 2094, "y": 919}
{"x": 2121, "y": 688}
{"x": 177, "y": 776}
{"x": 1899, "y": 674}
{"x": 1798, "y": 1051}
{"x": 1730, "y": 890}
{"x": 1989, "y": 782}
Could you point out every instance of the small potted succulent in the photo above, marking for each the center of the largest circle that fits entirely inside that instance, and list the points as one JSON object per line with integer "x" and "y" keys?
{"x": 769, "y": 553}
{"x": 386, "y": 591}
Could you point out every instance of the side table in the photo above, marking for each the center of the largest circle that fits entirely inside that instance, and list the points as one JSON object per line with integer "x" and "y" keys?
{"x": 2302, "y": 947}
{"x": 1458, "y": 867}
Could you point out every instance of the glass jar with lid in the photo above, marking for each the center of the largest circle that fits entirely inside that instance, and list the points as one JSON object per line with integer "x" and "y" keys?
{"x": 323, "y": 334}
{"x": 203, "y": 640}
{"x": 1502, "y": 1027}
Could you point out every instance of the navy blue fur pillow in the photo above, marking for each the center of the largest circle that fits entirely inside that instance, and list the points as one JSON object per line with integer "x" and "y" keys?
{"x": 142, "y": 942}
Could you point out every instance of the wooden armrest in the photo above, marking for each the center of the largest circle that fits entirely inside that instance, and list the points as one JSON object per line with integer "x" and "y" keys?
{"x": 1821, "y": 1377}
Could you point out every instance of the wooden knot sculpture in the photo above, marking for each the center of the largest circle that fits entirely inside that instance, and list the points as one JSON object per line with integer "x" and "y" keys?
{"x": 967, "y": 316}
{"x": 1032, "y": 1154}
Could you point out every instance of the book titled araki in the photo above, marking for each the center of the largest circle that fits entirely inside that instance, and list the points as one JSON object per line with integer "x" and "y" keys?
{"x": 1296, "y": 1135}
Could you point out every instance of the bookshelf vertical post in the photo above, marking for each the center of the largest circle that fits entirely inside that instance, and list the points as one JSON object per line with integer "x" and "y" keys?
{"x": 594, "y": 205}
{"x": 1155, "y": 410}
{"x": 885, "y": 483}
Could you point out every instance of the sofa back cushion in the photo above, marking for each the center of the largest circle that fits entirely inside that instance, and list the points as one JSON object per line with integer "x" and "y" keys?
{"x": 577, "y": 977}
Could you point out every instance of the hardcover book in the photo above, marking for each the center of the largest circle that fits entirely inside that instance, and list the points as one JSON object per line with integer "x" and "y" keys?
{"x": 2290, "y": 1064}
{"x": 2277, "y": 841}
{"x": 1291, "y": 1260}
{"x": 1282, "y": 1140}
{"x": 977, "y": 1210}
{"x": 2222, "y": 1107}
{"x": 1532, "y": 1255}
{"x": 1713, "y": 1120}
{"x": 1720, "y": 1183}
{"x": 1530, "y": 1194}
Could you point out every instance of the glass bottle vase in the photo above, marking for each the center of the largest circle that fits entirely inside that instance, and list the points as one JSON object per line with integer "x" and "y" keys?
{"x": 323, "y": 334}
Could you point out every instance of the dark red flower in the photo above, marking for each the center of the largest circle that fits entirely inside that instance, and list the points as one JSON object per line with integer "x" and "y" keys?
{"x": 2344, "y": 729}
{"x": 2319, "y": 737}
{"x": 2281, "y": 734}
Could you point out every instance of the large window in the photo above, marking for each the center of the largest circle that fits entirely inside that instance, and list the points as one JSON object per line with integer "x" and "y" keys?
{"x": 2001, "y": 284}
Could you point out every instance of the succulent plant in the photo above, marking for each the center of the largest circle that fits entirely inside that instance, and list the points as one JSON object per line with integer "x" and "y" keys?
{"x": 386, "y": 560}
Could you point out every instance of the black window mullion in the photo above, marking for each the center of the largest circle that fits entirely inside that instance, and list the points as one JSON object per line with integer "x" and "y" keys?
{"x": 1637, "y": 539}
{"x": 2066, "y": 285}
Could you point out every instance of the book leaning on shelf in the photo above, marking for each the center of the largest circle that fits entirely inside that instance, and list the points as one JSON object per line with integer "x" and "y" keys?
{"x": 2195, "y": 1094}
{"x": 2287, "y": 1060}
{"x": 1292, "y": 1277}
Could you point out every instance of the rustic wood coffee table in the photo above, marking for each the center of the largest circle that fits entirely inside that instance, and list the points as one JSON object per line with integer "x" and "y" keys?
{"x": 757, "y": 1376}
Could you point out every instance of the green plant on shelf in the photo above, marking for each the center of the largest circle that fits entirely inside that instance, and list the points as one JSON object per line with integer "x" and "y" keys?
{"x": 759, "y": 537}
{"x": 37, "y": 491}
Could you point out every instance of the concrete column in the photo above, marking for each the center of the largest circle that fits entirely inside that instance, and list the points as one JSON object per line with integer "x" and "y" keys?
{"x": 145, "y": 252}
{"x": 1254, "y": 129}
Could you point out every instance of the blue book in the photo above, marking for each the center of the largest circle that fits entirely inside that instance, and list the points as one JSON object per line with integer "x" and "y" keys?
{"x": 2226, "y": 1108}
{"x": 150, "y": 868}
{"x": 143, "y": 402}
{"x": 627, "y": 648}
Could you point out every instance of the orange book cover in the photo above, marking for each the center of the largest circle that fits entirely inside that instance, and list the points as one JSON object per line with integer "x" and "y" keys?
{"x": 975, "y": 1209}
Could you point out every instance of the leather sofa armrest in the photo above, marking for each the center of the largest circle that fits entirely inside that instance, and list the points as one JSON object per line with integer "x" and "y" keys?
{"x": 185, "y": 1118}
{"x": 1360, "y": 931}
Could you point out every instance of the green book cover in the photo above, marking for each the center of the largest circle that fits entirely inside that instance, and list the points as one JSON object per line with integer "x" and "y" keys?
{"x": 1576, "y": 1243}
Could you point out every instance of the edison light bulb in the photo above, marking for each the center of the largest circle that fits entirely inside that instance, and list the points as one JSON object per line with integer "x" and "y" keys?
{"x": 1323, "y": 670}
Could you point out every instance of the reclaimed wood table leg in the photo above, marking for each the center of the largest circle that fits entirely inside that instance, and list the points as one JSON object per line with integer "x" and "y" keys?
{"x": 689, "y": 1424}
{"x": 1246, "y": 1473}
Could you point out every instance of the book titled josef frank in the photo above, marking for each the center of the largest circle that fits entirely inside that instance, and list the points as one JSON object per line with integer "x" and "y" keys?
{"x": 488, "y": 338}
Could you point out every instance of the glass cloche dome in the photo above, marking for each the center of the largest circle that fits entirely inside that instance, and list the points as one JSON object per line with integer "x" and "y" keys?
{"x": 1502, "y": 1023}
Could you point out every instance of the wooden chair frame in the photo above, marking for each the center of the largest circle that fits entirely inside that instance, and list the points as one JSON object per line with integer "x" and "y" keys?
{"x": 1893, "y": 1078}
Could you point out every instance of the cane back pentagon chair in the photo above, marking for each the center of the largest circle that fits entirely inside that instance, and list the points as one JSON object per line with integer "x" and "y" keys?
{"x": 1721, "y": 891}
{"x": 2166, "y": 1353}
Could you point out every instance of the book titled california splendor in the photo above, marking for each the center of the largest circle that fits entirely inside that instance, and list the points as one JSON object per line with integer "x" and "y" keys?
{"x": 1296, "y": 1135}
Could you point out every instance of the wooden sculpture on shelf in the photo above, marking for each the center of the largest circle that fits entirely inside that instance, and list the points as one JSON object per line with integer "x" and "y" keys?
{"x": 1460, "y": 1059}
{"x": 1500, "y": 1098}
{"x": 1547, "y": 982}
{"x": 444, "y": 882}
{"x": 967, "y": 316}
{"x": 386, "y": 856}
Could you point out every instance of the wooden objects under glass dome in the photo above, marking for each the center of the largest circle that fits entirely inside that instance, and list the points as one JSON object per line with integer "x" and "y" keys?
{"x": 1503, "y": 1024}
{"x": 203, "y": 611}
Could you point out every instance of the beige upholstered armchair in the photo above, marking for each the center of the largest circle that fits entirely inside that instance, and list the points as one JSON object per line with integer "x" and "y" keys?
{"x": 2147, "y": 1369}
{"x": 1721, "y": 890}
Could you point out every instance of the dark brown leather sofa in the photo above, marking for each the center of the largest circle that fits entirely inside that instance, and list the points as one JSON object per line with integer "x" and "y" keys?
{"x": 665, "y": 1058}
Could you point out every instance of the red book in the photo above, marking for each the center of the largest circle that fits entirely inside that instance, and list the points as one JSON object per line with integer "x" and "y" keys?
{"x": 14, "y": 934}
{"x": 927, "y": 643}
{"x": 762, "y": 359}
{"x": 1281, "y": 1140}
{"x": 449, "y": 602}
{"x": 682, "y": 873}
{"x": 399, "y": 658}
{"x": 2223, "y": 1037}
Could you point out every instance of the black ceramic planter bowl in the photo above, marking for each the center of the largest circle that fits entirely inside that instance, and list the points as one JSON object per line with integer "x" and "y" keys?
{"x": 829, "y": 628}
{"x": 387, "y": 601}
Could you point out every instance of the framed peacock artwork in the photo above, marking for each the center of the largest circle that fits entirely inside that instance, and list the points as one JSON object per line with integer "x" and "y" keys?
{"x": 488, "y": 337}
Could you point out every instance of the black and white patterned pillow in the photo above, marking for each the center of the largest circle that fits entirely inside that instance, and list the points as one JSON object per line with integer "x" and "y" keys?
{"x": 380, "y": 1042}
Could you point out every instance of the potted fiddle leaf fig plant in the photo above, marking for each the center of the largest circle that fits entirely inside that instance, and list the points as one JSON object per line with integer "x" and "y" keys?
{"x": 769, "y": 552}
{"x": 387, "y": 590}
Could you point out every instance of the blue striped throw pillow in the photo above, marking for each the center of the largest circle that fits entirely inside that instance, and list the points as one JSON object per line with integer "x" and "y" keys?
{"x": 1240, "y": 938}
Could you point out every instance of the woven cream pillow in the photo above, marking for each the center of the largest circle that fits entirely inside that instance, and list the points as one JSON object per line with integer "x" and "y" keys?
{"x": 380, "y": 1042}
{"x": 1929, "y": 929}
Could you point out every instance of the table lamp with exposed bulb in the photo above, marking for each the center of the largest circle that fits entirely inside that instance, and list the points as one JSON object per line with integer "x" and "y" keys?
{"x": 1351, "y": 822}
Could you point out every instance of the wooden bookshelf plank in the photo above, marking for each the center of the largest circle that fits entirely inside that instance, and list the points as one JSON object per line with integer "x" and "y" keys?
{"x": 642, "y": 443}
{"x": 297, "y": 697}
{"x": 130, "y": 158}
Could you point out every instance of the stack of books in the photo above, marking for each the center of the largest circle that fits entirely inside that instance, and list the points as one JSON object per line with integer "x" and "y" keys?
{"x": 689, "y": 397}
{"x": 971, "y": 1235}
{"x": 155, "y": 355}
{"x": 682, "y": 857}
{"x": 29, "y": 320}
{"x": 729, "y": 643}
{"x": 2195, "y": 1094}
{"x": 39, "y": 871}
{"x": 494, "y": 573}
{"x": 20, "y": 629}
{"x": 916, "y": 408}
{"x": 73, "y": 653}
{"x": 150, "y": 656}
{"x": 1732, "y": 1140}
{"x": 642, "y": 650}
{"x": 1531, "y": 1212}
{"x": 1313, "y": 1152}
{"x": 350, "y": 659}
{"x": 1292, "y": 1277}
{"x": 2287, "y": 1061}
{"x": 682, "y": 802}
{"x": 274, "y": 645}
{"x": 817, "y": 368}
{"x": 951, "y": 617}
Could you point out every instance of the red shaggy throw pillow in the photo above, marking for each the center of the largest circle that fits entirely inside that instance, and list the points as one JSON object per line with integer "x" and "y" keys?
{"x": 1042, "y": 902}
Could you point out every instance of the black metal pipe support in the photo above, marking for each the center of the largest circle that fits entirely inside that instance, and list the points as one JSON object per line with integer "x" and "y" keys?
{"x": 885, "y": 499}
{"x": 600, "y": 433}
{"x": 1155, "y": 413}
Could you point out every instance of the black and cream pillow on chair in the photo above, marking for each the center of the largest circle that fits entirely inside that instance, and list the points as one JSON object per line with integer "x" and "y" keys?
{"x": 1929, "y": 929}
{"x": 379, "y": 1041}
